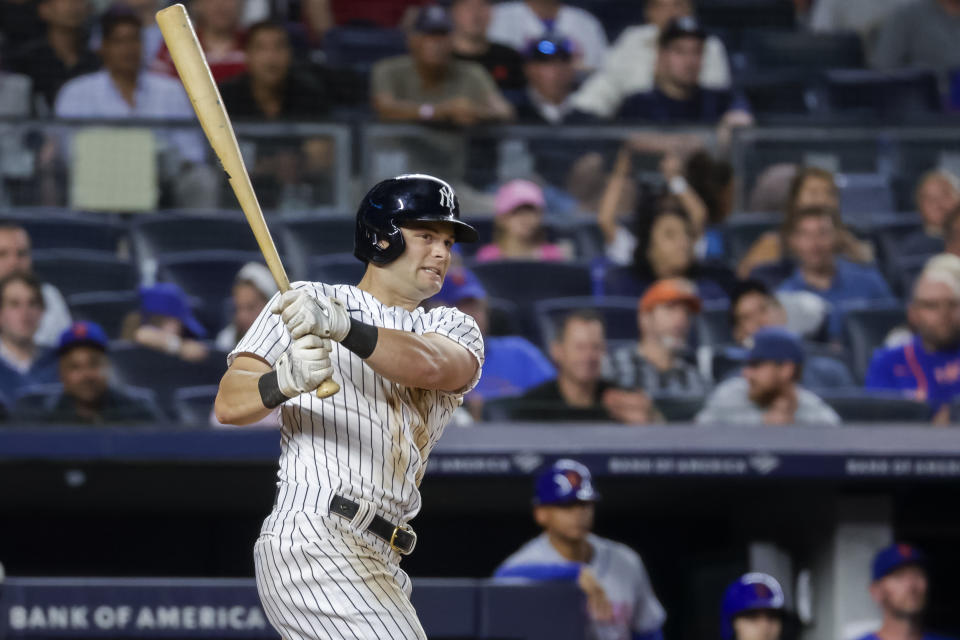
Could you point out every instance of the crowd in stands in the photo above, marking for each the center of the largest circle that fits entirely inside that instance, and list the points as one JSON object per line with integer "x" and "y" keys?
{"x": 676, "y": 308}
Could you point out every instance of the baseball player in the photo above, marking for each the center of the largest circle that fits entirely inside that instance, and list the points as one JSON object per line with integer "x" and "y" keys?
{"x": 327, "y": 559}
{"x": 752, "y": 609}
{"x": 620, "y": 601}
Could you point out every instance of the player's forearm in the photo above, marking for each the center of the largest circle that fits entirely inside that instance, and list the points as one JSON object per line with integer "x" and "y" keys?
{"x": 238, "y": 400}
{"x": 414, "y": 360}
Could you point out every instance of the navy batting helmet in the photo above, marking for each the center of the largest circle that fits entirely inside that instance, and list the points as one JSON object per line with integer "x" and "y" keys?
{"x": 751, "y": 592}
{"x": 394, "y": 203}
{"x": 564, "y": 482}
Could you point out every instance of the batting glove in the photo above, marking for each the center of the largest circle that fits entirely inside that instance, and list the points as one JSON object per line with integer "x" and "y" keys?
{"x": 304, "y": 315}
{"x": 304, "y": 366}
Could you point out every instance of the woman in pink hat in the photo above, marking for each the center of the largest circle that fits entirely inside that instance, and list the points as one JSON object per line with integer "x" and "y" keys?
{"x": 518, "y": 232}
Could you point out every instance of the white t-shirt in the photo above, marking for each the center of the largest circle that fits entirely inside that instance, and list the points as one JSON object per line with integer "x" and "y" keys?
{"x": 516, "y": 25}
{"x": 371, "y": 440}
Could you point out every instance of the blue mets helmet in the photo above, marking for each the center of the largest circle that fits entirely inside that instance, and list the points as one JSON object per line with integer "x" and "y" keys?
{"x": 751, "y": 592}
{"x": 396, "y": 202}
{"x": 564, "y": 482}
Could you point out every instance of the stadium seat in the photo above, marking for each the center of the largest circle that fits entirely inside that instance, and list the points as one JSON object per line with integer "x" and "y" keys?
{"x": 79, "y": 270}
{"x": 866, "y": 328}
{"x": 154, "y": 236}
{"x": 676, "y": 408}
{"x": 741, "y": 230}
{"x": 361, "y": 47}
{"x": 70, "y": 231}
{"x": 619, "y": 315}
{"x": 192, "y": 405}
{"x": 337, "y": 268}
{"x": 907, "y": 269}
{"x": 780, "y": 93}
{"x": 872, "y": 407}
{"x": 164, "y": 374}
{"x": 811, "y": 52}
{"x": 503, "y": 318}
{"x": 864, "y": 193}
{"x": 584, "y": 235}
{"x": 206, "y": 276}
{"x": 506, "y": 409}
{"x": 737, "y": 17}
{"x": 35, "y": 398}
{"x": 712, "y": 324}
{"x": 309, "y": 237}
{"x": 889, "y": 95}
{"x": 106, "y": 308}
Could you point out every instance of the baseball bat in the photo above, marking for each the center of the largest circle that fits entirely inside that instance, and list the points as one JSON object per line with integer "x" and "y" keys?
{"x": 195, "y": 74}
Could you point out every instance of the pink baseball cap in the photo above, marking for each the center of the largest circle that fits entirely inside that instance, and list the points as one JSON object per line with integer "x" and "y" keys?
{"x": 517, "y": 193}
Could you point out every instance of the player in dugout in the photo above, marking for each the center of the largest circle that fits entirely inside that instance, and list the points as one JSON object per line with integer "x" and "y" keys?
{"x": 621, "y": 603}
{"x": 753, "y": 608}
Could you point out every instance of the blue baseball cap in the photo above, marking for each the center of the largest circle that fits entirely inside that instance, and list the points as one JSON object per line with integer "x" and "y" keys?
{"x": 167, "y": 299}
{"x": 897, "y": 555}
{"x": 774, "y": 344}
{"x": 432, "y": 19}
{"x": 82, "y": 334}
{"x": 750, "y": 592}
{"x": 549, "y": 48}
{"x": 566, "y": 481}
{"x": 460, "y": 284}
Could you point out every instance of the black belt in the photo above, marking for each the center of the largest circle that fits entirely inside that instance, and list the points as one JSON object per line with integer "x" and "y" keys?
{"x": 401, "y": 538}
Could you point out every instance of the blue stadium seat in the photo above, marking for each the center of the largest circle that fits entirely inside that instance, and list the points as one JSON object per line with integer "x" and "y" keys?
{"x": 207, "y": 276}
{"x": 338, "y": 268}
{"x": 79, "y": 270}
{"x": 192, "y": 405}
{"x": 619, "y": 315}
{"x": 106, "y": 308}
{"x": 866, "y": 328}
{"x": 876, "y": 408}
{"x": 35, "y": 398}
{"x": 361, "y": 47}
{"x": 782, "y": 93}
{"x": 741, "y": 230}
{"x": 164, "y": 374}
{"x": 679, "y": 408}
{"x": 312, "y": 237}
{"x": 865, "y": 193}
{"x": 907, "y": 268}
{"x": 503, "y": 318}
{"x": 154, "y": 236}
{"x": 887, "y": 95}
{"x": 712, "y": 325}
{"x": 887, "y": 237}
{"x": 92, "y": 232}
{"x": 811, "y": 52}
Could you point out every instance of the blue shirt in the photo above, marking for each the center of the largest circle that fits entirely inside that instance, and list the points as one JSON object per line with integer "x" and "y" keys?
{"x": 851, "y": 283}
{"x": 42, "y": 371}
{"x": 512, "y": 365}
{"x": 930, "y": 377}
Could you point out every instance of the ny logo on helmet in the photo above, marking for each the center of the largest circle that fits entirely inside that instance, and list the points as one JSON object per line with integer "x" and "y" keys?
{"x": 446, "y": 197}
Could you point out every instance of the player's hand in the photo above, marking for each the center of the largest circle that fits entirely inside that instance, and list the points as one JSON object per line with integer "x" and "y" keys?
{"x": 598, "y": 605}
{"x": 303, "y": 315}
{"x": 304, "y": 366}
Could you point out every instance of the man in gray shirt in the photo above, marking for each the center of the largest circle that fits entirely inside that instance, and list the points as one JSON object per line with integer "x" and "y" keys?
{"x": 922, "y": 33}
{"x": 767, "y": 391}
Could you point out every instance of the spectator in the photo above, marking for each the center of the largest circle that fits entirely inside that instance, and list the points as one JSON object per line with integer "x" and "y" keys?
{"x": 921, "y": 33}
{"x": 123, "y": 89}
{"x": 23, "y": 362}
{"x": 629, "y": 66}
{"x": 386, "y": 14}
{"x": 656, "y": 363}
{"x": 752, "y": 609}
{"x": 151, "y": 37}
{"x": 219, "y": 32}
{"x": 519, "y": 22}
{"x": 620, "y": 599}
{"x": 471, "y": 18}
{"x": 810, "y": 187}
{"x": 550, "y": 78}
{"x": 270, "y": 89}
{"x": 512, "y": 365}
{"x": 429, "y": 85}
{"x": 86, "y": 396}
{"x": 862, "y": 16}
{"x": 754, "y": 307}
{"x": 165, "y": 323}
{"x": 518, "y": 227}
{"x": 579, "y": 392}
{"x": 813, "y": 235}
{"x": 938, "y": 193}
{"x": 252, "y": 288}
{"x": 768, "y": 390}
{"x": 951, "y": 232}
{"x": 928, "y": 367}
{"x": 15, "y": 257}
{"x": 61, "y": 53}
{"x": 676, "y": 94}
{"x": 899, "y": 588}
{"x": 711, "y": 180}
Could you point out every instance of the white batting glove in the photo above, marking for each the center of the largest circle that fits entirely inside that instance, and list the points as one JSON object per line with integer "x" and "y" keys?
{"x": 304, "y": 314}
{"x": 304, "y": 366}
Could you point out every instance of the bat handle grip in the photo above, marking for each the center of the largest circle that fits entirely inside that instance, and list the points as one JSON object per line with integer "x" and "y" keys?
{"x": 327, "y": 388}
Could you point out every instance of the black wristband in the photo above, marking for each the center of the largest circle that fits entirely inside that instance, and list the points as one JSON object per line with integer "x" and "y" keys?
{"x": 270, "y": 394}
{"x": 361, "y": 339}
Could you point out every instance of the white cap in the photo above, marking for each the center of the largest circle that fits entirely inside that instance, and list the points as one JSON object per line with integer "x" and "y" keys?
{"x": 806, "y": 311}
{"x": 259, "y": 276}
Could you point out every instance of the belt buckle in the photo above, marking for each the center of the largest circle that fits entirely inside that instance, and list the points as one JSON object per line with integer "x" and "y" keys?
{"x": 393, "y": 538}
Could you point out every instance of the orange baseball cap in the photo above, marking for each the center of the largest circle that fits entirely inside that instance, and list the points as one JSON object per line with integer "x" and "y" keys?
{"x": 670, "y": 290}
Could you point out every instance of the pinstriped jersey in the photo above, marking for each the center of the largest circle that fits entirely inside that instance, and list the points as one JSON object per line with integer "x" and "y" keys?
{"x": 371, "y": 440}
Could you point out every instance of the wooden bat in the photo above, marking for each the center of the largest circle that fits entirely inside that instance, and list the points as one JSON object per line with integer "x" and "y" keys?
{"x": 195, "y": 74}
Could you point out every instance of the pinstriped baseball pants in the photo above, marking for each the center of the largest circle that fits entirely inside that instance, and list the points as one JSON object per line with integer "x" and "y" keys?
{"x": 319, "y": 579}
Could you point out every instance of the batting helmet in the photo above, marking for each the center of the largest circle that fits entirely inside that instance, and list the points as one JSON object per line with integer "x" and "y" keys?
{"x": 564, "y": 482}
{"x": 752, "y": 592}
{"x": 394, "y": 203}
